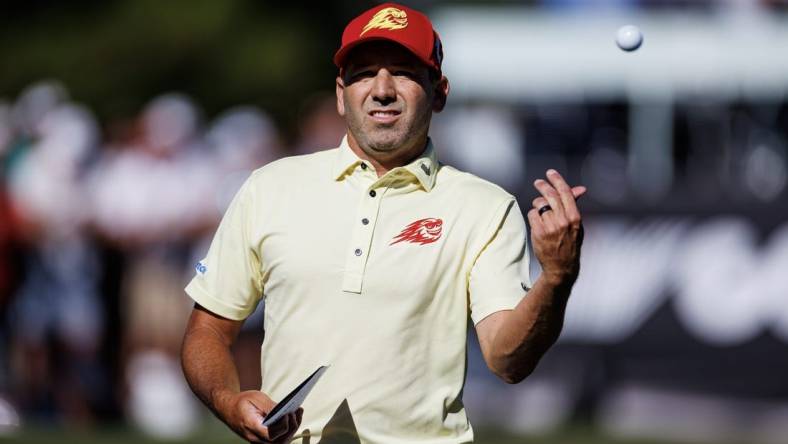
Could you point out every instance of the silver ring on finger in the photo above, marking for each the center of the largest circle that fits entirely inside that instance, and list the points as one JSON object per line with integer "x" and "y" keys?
{"x": 544, "y": 208}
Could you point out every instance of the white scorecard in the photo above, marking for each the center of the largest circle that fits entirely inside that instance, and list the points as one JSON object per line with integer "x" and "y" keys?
{"x": 294, "y": 399}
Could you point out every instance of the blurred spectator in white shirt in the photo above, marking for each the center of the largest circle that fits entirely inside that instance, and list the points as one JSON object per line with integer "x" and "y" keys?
{"x": 57, "y": 310}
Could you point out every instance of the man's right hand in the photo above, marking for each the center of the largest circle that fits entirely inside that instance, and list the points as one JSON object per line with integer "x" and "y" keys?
{"x": 244, "y": 412}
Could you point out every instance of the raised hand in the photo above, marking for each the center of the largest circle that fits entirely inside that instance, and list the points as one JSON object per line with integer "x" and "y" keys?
{"x": 557, "y": 228}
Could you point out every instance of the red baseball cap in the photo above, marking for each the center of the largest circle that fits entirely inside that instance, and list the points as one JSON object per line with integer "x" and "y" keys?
{"x": 396, "y": 23}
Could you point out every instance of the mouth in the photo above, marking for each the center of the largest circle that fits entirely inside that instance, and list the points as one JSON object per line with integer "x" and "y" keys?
{"x": 384, "y": 116}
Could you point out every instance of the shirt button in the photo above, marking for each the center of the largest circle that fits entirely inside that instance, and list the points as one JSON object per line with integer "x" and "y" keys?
{"x": 358, "y": 251}
{"x": 372, "y": 193}
{"x": 365, "y": 221}
{"x": 363, "y": 166}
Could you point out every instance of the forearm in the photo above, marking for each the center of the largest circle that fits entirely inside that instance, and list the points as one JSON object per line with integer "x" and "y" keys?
{"x": 209, "y": 368}
{"x": 528, "y": 331}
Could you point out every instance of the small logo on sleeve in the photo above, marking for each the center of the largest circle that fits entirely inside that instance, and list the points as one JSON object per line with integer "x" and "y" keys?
{"x": 200, "y": 268}
{"x": 422, "y": 231}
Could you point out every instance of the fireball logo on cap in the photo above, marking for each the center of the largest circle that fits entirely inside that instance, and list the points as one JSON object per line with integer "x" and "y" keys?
{"x": 387, "y": 18}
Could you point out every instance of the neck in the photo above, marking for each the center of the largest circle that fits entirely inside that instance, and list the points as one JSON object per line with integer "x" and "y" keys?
{"x": 383, "y": 162}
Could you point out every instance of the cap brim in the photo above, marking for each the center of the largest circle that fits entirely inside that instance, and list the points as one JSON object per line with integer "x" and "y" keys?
{"x": 341, "y": 55}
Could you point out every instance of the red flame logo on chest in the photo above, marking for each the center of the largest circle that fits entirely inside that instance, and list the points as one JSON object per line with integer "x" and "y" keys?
{"x": 422, "y": 231}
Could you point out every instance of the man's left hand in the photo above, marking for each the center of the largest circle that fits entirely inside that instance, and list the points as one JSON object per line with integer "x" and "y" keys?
{"x": 557, "y": 233}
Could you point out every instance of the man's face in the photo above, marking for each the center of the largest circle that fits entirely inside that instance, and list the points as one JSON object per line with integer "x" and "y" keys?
{"x": 387, "y": 97}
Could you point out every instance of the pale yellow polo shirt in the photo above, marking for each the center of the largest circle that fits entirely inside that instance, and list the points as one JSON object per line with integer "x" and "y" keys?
{"x": 376, "y": 277}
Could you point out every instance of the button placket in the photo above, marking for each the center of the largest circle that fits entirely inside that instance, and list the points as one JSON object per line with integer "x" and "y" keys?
{"x": 361, "y": 239}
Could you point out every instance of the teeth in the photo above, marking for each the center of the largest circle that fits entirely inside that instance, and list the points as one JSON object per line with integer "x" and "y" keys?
{"x": 384, "y": 113}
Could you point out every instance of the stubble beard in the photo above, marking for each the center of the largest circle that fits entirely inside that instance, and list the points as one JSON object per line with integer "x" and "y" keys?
{"x": 387, "y": 140}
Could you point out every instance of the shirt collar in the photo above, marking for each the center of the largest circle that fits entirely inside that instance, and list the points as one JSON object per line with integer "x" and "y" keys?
{"x": 424, "y": 167}
{"x": 345, "y": 162}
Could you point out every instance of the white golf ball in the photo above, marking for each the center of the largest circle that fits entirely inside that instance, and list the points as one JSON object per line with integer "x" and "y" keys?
{"x": 629, "y": 38}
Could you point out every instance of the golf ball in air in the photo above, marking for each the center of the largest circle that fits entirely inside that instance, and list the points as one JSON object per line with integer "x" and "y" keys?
{"x": 629, "y": 38}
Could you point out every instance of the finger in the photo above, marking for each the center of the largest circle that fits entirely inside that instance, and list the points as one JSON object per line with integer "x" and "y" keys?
{"x": 271, "y": 432}
{"x": 286, "y": 424}
{"x": 549, "y": 193}
{"x": 260, "y": 405}
{"x": 578, "y": 191}
{"x": 292, "y": 428}
{"x": 256, "y": 434}
{"x": 537, "y": 225}
{"x": 548, "y": 217}
{"x": 254, "y": 427}
{"x": 260, "y": 432}
{"x": 539, "y": 202}
{"x": 292, "y": 423}
{"x": 299, "y": 415}
{"x": 254, "y": 438}
{"x": 564, "y": 192}
{"x": 277, "y": 429}
{"x": 543, "y": 208}
{"x": 568, "y": 195}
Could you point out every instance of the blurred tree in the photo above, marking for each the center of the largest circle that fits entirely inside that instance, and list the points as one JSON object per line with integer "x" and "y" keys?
{"x": 116, "y": 55}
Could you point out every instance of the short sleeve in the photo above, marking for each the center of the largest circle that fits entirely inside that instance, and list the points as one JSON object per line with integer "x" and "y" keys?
{"x": 227, "y": 282}
{"x": 499, "y": 277}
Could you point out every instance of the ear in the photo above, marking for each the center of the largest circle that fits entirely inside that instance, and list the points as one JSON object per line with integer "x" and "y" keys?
{"x": 340, "y": 95}
{"x": 441, "y": 94}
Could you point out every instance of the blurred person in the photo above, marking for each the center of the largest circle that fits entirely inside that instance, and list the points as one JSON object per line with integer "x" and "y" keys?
{"x": 6, "y": 131}
{"x": 8, "y": 220}
{"x": 9, "y": 227}
{"x": 320, "y": 125}
{"x": 144, "y": 191}
{"x": 152, "y": 198}
{"x": 372, "y": 257}
{"x": 56, "y": 315}
{"x": 33, "y": 104}
{"x": 10, "y": 255}
{"x": 240, "y": 139}
{"x": 24, "y": 118}
{"x": 467, "y": 128}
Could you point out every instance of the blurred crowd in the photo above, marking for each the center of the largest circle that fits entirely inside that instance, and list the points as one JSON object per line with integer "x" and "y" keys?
{"x": 99, "y": 227}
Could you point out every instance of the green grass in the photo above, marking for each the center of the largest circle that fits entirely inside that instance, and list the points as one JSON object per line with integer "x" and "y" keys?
{"x": 215, "y": 433}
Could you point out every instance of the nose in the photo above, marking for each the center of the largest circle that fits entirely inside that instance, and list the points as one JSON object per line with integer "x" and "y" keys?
{"x": 383, "y": 90}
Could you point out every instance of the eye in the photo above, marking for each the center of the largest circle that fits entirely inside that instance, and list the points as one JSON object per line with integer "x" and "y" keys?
{"x": 405, "y": 73}
{"x": 362, "y": 75}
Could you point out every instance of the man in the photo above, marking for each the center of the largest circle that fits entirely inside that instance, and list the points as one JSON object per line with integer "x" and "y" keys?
{"x": 371, "y": 257}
